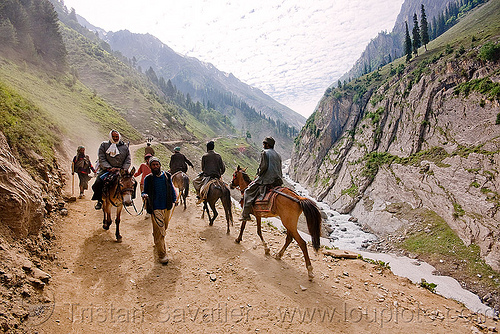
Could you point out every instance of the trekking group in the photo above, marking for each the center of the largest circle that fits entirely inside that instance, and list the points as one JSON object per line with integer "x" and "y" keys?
{"x": 157, "y": 189}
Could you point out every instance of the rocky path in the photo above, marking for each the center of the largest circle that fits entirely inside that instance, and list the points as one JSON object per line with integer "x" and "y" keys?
{"x": 213, "y": 285}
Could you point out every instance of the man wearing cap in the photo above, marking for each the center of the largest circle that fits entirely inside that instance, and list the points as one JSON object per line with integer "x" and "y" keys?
{"x": 160, "y": 196}
{"x": 268, "y": 175}
{"x": 212, "y": 168}
{"x": 113, "y": 155}
{"x": 179, "y": 162}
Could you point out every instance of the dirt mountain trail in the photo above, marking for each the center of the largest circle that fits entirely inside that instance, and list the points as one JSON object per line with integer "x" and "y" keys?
{"x": 213, "y": 285}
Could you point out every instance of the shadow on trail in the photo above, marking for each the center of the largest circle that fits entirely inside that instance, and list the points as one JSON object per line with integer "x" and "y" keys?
{"x": 102, "y": 256}
{"x": 157, "y": 288}
{"x": 289, "y": 276}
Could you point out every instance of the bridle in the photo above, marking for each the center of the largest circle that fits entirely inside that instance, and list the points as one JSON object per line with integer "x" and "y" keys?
{"x": 233, "y": 184}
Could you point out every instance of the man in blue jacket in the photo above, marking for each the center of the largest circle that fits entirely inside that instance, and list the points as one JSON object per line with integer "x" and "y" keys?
{"x": 159, "y": 194}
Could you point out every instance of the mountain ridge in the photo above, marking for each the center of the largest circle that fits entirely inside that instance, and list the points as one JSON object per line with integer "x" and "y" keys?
{"x": 411, "y": 150}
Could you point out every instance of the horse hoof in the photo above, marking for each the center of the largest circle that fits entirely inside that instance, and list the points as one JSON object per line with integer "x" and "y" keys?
{"x": 267, "y": 251}
{"x": 119, "y": 239}
{"x": 310, "y": 273}
{"x": 106, "y": 227}
{"x": 237, "y": 241}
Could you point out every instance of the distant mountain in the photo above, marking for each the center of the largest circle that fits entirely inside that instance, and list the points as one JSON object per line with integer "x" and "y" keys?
{"x": 201, "y": 80}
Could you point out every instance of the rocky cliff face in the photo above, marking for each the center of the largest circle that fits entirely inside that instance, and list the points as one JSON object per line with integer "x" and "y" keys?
{"x": 24, "y": 202}
{"x": 416, "y": 140}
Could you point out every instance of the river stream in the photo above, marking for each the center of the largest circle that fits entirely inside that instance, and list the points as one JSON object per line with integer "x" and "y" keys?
{"x": 348, "y": 235}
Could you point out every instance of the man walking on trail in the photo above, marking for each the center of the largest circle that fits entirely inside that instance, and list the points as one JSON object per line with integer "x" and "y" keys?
{"x": 212, "y": 168}
{"x": 179, "y": 162}
{"x": 82, "y": 166}
{"x": 113, "y": 155}
{"x": 269, "y": 174}
{"x": 159, "y": 194}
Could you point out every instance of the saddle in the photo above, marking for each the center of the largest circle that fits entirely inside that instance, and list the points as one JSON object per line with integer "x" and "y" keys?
{"x": 109, "y": 179}
{"x": 264, "y": 206}
{"x": 174, "y": 174}
{"x": 206, "y": 187}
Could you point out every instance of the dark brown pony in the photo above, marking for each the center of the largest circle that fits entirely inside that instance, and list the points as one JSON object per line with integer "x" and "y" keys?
{"x": 181, "y": 182}
{"x": 218, "y": 190}
{"x": 118, "y": 193}
{"x": 288, "y": 206}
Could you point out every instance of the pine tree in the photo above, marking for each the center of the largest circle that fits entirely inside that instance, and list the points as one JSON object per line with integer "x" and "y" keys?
{"x": 7, "y": 34}
{"x": 434, "y": 28}
{"x": 72, "y": 15}
{"x": 424, "y": 29}
{"x": 407, "y": 43}
{"x": 415, "y": 35}
{"x": 45, "y": 33}
{"x": 150, "y": 73}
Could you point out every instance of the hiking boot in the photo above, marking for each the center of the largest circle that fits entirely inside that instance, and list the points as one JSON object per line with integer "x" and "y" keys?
{"x": 98, "y": 206}
{"x": 164, "y": 260}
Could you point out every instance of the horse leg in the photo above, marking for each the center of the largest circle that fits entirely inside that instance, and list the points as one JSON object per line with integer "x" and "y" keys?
{"x": 214, "y": 211}
{"x": 243, "y": 223}
{"x": 259, "y": 232}
{"x": 288, "y": 240}
{"x": 303, "y": 246}
{"x": 106, "y": 208}
{"x": 203, "y": 212}
{"x": 184, "y": 195}
{"x": 117, "y": 222}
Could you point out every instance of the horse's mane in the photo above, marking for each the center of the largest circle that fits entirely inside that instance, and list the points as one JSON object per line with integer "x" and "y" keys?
{"x": 245, "y": 176}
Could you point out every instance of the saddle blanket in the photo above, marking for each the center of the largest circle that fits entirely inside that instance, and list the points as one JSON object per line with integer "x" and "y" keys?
{"x": 206, "y": 187}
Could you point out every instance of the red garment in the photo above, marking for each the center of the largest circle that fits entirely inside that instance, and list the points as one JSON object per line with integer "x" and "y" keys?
{"x": 144, "y": 170}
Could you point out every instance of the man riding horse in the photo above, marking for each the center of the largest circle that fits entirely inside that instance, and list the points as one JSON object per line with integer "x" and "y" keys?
{"x": 179, "y": 162}
{"x": 114, "y": 155}
{"x": 212, "y": 168}
{"x": 269, "y": 175}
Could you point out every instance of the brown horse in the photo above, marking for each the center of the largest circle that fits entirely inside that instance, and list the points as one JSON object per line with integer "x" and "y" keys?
{"x": 181, "y": 182}
{"x": 218, "y": 190}
{"x": 118, "y": 193}
{"x": 288, "y": 206}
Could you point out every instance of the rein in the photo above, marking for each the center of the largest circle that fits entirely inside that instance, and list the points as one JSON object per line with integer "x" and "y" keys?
{"x": 137, "y": 213}
{"x": 119, "y": 194}
{"x": 285, "y": 195}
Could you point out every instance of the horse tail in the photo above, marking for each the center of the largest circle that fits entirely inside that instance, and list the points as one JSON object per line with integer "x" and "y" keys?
{"x": 313, "y": 218}
{"x": 226, "y": 201}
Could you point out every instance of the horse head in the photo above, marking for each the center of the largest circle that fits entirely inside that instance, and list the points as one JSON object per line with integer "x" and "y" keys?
{"x": 235, "y": 182}
{"x": 127, "y": 185}
{"x": 240, "y": 179}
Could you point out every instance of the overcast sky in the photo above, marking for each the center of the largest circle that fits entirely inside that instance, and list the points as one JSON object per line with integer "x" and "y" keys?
{"x": 291, "y": 49}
